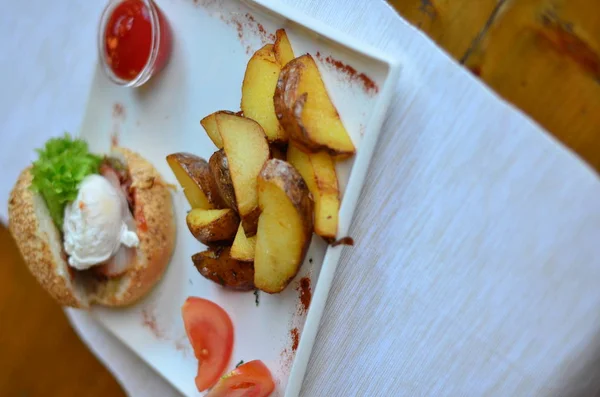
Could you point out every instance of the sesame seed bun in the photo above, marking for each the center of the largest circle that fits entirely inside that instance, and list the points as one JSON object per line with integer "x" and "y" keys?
{"x": 41, "y": 245}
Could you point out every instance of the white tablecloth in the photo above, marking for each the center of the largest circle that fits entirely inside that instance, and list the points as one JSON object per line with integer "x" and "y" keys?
{"x": 390, "y": 327}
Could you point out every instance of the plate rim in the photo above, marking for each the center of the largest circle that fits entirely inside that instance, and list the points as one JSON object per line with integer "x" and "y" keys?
{"x": 352, "y": 43}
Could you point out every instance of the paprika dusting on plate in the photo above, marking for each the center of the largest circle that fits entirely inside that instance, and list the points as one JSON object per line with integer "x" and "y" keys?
{"x": 305, "y": 295}
{"x": 134, "y": 41}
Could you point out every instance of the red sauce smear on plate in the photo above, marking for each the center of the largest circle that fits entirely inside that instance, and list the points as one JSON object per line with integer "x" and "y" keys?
{"x": 118, "y": 110}
{"x": 368, "y": 84}
{"x": 149, "y": 321}
{"x": 305, "y": 294}
{"x": 295, "y": 338}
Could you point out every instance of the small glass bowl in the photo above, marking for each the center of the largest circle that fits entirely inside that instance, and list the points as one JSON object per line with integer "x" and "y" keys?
{"x": 160, "y": 44}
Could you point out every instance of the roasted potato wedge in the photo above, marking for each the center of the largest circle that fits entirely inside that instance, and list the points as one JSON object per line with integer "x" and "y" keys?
{"x": 318, "y": 171}
{"x": 194, "y": 176}
{"x": 209, "y": 123}
{"x": 258, "y": 88}
{"x": 212, "y": 226}
{"x": 216, "y": 264}
{"x": 250, "y": 222}
{"x": 282, "y": 48}
{"x": 247, "y": 150}
{"x": 243, "y": 247}
{"x": 306, "y": 112}
{"x": 219, "y": 168}
{"x": 285, "y": 226}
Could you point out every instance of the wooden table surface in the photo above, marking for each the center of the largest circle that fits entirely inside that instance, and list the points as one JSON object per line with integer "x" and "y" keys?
{"x": 541, "y": 55}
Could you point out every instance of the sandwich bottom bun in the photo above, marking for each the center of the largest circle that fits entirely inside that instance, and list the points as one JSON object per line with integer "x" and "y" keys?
{"x": 41, "y": 245}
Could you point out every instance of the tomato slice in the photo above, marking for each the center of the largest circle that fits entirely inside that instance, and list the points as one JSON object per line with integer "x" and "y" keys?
{"x": 210, "y": 332}
{"x": 252, "y": 379}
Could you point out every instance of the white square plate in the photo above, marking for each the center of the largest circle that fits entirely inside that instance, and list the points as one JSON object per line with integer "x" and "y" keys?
{"x": 213, "y": 41}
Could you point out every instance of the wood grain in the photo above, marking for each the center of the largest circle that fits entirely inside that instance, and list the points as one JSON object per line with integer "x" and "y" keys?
{"x": 541, "y": 55}
{"x": 453, "y": 24}
{"x": 41, "y": 354}
{"x": 544, "y": 56}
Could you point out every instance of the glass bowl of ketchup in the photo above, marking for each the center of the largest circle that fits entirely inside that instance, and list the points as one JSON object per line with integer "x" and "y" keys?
{"x": 134, "y": 41}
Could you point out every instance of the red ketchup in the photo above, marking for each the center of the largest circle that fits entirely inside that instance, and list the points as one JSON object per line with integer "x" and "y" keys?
{"x": 135, "y": 41}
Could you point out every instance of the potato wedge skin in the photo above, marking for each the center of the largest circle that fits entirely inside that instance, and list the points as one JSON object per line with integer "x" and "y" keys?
{"x": 250, "y": 222}
{"x": 288, "y": 179}
{"x": 306, "y": 112}
{"x": 217, "y": 265}
{"x": 198, "y": 170}
{"x": 209, "y": 185}
{"x": 282, "y": 48}
{"x": 258, "y": 88}
{"x": 209, "y": 123}
{"x": 284, "y": 228}
{"x": 219, "y": 168}
{"x": 247, "y": 150}
{"x": 318, "y": 171}
{"x": 219, "y": 228}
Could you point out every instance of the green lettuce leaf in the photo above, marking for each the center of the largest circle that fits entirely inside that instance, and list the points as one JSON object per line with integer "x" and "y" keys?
{"x": 61, "y": 166}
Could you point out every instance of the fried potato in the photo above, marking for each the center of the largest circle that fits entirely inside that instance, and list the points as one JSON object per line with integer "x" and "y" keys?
{"x": 285, "y": 226}
{"x": 243, "y": 247}
{"x": 247, "y": 151}
{"x": 216, "y": 264}
{"x": 306, "y": 112}
{"x": 212, "y": 226}
{"x": 318, "y": 171}
{"x": 209, "y": 123}
{"x": 219, "y": 168}
{"x": 258, "y": 88}
{"x": 194, "y": 176}
{"x": 282, "y": 48}
{"x": 250, "y": 222}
